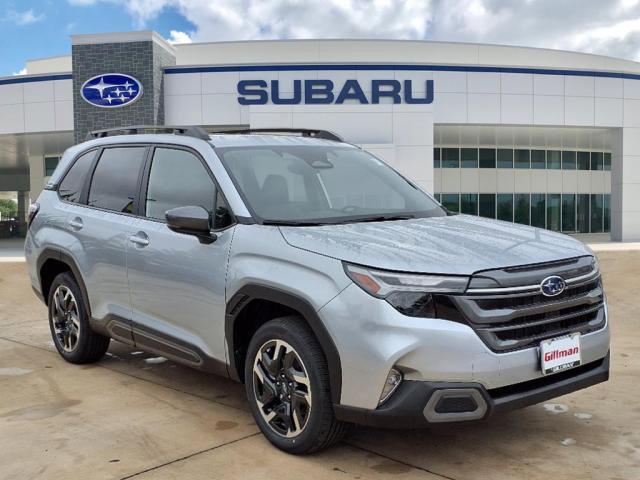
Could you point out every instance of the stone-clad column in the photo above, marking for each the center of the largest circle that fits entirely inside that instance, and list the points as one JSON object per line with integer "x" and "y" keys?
{"x": 142, "y": 55}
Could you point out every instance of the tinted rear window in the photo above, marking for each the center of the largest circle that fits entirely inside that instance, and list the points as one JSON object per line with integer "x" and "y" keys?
{"x": 115, "y": 181}
{"x": 71, "y": 186}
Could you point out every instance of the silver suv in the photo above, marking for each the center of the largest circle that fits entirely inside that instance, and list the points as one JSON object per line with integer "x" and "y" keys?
{"x": 336, "y": 289}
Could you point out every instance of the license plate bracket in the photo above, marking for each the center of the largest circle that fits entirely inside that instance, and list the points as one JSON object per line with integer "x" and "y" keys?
{"x": 560, "y": 354}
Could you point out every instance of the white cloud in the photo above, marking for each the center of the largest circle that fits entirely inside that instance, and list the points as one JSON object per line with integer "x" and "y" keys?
{"x": 22, "y": 71}
{"x": 610, "y": 28}
{"x": 24, "y": 18}
{"x": 176, "y": 36}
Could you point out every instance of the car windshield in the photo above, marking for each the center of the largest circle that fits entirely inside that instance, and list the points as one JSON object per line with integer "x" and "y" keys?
{"x": 303, "y": 185}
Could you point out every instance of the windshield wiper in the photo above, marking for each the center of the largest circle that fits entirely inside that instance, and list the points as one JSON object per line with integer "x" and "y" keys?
{"x": 305, "y": 223}
{"x": 379, "y": 218}
{"x": 291, "y": 223}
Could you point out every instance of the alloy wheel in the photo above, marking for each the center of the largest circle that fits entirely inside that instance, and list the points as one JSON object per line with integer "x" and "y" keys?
{"x": 66, "y": 318}
{"x": 282, "y": 388}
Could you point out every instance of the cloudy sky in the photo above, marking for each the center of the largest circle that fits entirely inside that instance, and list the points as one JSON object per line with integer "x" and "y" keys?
{"x": 40, "y": 28}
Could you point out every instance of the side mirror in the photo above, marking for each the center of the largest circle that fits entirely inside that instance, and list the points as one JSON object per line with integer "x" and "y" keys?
{"x": 221, "y": 218}
{"x": 191, "y": 220}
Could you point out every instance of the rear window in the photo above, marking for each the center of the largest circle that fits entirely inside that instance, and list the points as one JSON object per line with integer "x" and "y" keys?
{"x": 71, "y": 186}
{"x": 115, "y": 181}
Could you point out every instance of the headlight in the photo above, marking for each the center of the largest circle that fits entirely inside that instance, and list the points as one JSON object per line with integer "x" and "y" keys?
{"x": 410, "y": 294}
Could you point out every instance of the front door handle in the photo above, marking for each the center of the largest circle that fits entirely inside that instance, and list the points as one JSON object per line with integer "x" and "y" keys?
{"x": 76, "y": 223}
{"x": 140, "y": 239}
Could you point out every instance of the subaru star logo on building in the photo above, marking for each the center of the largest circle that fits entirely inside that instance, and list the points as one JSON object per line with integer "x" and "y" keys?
{"x": 111, "y": 90}
{"x": 552, "y": 286}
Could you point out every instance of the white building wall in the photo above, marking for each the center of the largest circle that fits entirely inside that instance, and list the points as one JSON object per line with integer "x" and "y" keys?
{"x": 59, "y": 64}
{"x": 404, "y": 134}
{"x": 36, "y": 106}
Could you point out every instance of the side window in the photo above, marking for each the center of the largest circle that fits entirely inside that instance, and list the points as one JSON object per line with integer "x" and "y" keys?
{"x": 71, "y": 186}
{"x": 115, "y": 179}
{"x": 178, "y": 179}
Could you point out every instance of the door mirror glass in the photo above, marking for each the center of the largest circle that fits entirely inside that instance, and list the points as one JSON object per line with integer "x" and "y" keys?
{"x": 191, "y": 220}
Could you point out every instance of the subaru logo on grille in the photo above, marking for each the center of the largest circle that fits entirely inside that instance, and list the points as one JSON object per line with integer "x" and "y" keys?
{"x": 111, "y": 90}
{"x": 552, "y": 286}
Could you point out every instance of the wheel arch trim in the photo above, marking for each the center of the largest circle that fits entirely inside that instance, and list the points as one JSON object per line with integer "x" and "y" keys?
{"x": 63, "y": 257}
{"x": 243, "y": 297}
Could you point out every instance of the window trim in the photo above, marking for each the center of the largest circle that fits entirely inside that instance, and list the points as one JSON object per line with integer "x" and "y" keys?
{"x": 143, "y": 184}
{"x": 142, "y": 179}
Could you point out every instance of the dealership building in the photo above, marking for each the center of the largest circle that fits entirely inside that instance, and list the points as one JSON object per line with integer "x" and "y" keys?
{"x": 542, "y": 137}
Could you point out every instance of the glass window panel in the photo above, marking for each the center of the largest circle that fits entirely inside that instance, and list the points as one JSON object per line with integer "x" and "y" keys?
{"x": 596, "y": 213}
{"x": 177, "y": 179}
{"x": 115, "y": 180}
{"x": 71, "y": 186}
{"x": 607, "y": 161}
{"x": 582, "y": 213}
{"x": 553, "y": 159}
{"x": 521, "y": 158}
{"x": 450, "y": 157}
{"x": 597, "y": 160}
{"x": 451, "y": 201}
{"x": 584, "y": 159}
{"x": 521, "y": 210}
{"x": 488, "y": 205}
{"x": 538, "y": 210}
{"x": 607, "y": 212}
{"x": 436, "y": 158}
{"x": 553, "y": 211}
{"x": 469, "y": 157}
{"x": 505, "y": 207}
{"x": 569, "y": 212}
{"x": 505, "y": 158}
{"x": 437, "y": 196}
{"x": 487, "y": 158}
{"x": 538, "y": 159}
{"x": 469, "y": 203}
{"x": 50, "y": 164}
{"x": 568, "y": 160}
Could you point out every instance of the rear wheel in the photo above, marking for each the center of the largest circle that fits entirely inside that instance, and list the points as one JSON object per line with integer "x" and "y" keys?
{"x": 287, "y": 383}
{"x": 69, "y": 323}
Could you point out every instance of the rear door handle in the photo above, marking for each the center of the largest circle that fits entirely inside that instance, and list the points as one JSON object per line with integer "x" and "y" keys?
{"x": 76, "y": 223}
{"x": 140, "y": 239}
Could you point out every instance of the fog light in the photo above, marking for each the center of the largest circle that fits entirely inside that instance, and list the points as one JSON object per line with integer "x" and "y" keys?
{"x": 390, "y": 385}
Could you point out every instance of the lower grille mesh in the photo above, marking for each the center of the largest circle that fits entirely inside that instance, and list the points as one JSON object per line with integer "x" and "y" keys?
{"x": 536, "y": 331}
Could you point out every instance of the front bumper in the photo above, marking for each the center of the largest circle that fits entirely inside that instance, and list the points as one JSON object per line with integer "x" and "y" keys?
{"x": 372, "y": 337}
{"x": 415, "y": 404}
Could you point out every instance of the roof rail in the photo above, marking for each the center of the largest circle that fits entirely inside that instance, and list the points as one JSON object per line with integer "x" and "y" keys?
{"x": 304, "y": 132}
{"x": 189, "y": 131}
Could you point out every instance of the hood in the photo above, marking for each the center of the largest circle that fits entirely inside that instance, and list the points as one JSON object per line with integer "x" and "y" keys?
{"x": 458, "y": 244}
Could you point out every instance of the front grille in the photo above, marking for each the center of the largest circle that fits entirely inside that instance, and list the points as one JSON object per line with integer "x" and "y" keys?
{"x": 526, "y": 300}
{"x": 535, "y": 331}
{"x": 508, "y": 318}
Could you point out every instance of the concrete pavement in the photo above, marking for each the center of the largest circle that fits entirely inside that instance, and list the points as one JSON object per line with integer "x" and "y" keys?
{"x": 131, "y": 417}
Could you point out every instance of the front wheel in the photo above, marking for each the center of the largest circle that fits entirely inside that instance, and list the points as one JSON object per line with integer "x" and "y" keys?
{"x": 287, "y": 383}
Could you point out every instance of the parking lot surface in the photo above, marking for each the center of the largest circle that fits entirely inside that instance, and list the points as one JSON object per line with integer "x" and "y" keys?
{"x": 134, "y": 415}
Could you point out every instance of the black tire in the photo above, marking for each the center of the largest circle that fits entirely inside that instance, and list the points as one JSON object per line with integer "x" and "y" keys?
{"x": 88, "y": 346}
{"x": 321, "y": 428}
